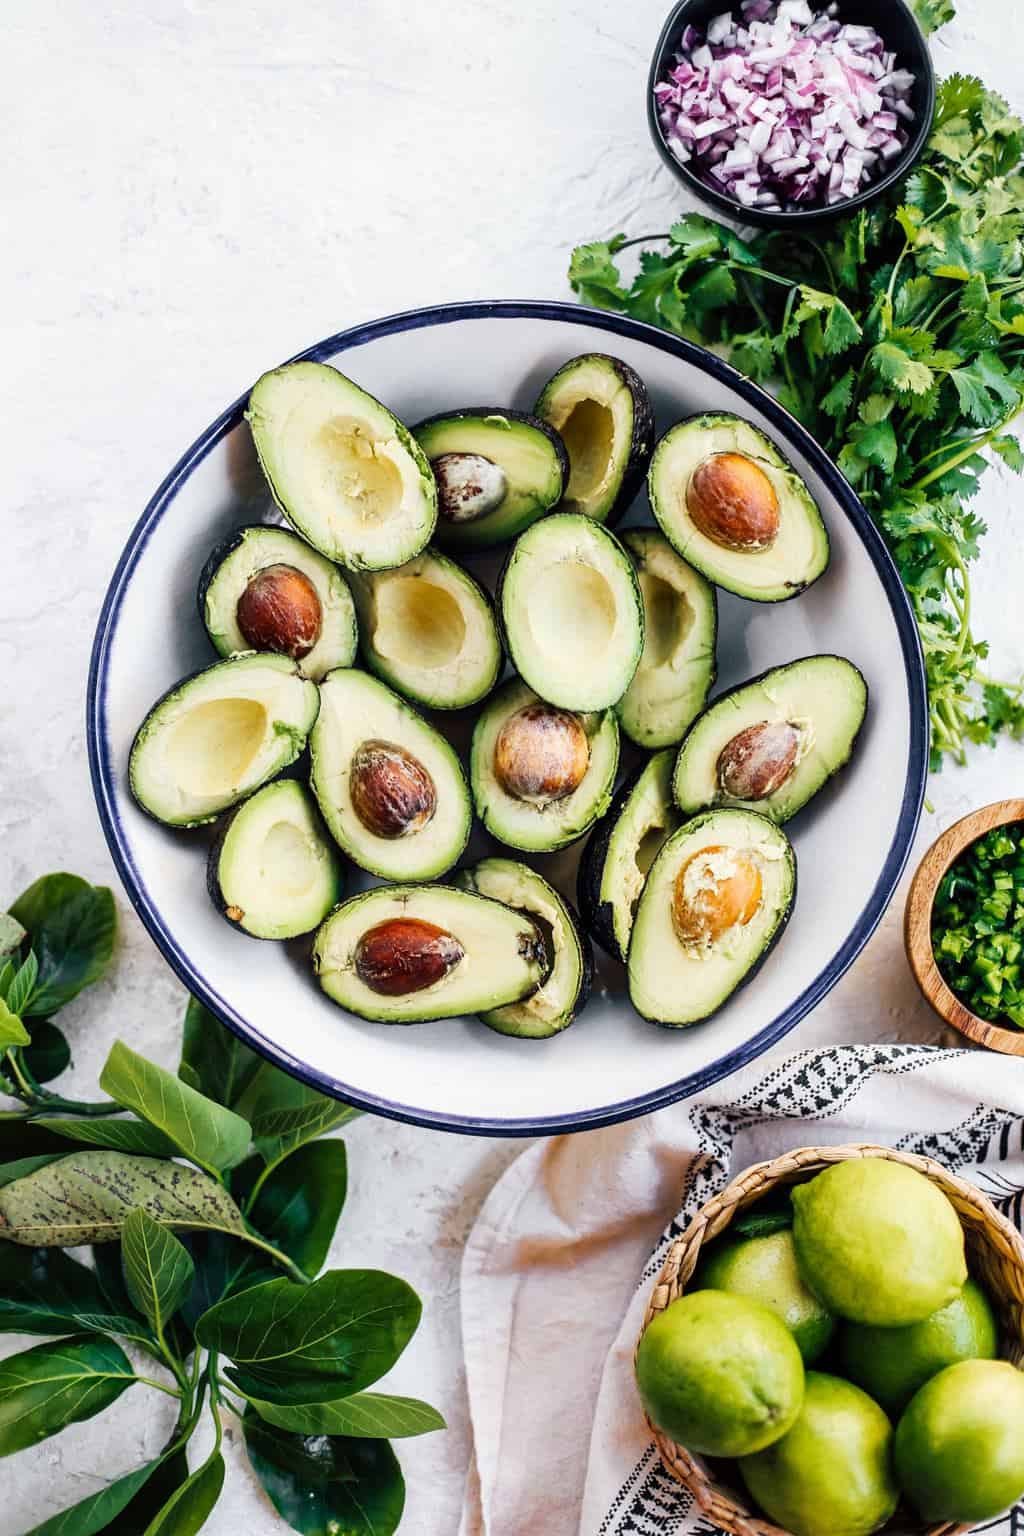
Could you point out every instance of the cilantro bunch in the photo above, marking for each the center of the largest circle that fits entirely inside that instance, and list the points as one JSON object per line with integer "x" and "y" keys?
{"x": 896, "y": 335}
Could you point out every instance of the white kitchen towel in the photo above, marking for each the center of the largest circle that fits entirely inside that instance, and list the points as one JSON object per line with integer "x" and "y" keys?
{"x": 558, "y": 1267}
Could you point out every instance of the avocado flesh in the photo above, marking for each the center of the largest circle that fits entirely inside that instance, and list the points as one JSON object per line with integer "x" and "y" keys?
{"x": 343, "y": 469}
{"x": 601, "y": 410}
{"x": 503, "y": 960}
{"x": 428, "y": 629}
{"x": 825, "y": 697}
{"x": 572, "y": 613}
{"x": 563, "y": 995}
{"x": 799, "y": 552}
{"x": 273, "y": 872}
{"x": 354, "y": 709}
{"x": 524, "y": 824}
{"x": 677, "y": 665}
{"x": 676, "y": 984}
{"x": 217, "y": 736}
{"x": 241, "y": 557}
{"x": 530, "y": 454}
{"x": 622, "y": 849}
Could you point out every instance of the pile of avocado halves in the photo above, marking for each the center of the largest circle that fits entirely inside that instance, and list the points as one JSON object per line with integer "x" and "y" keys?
{"x": 335, "y": 628}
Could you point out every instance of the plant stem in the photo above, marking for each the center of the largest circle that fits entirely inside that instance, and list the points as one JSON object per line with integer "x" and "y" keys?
{"x": 158, "y": 1386}
{"x": 291, "y": 1269}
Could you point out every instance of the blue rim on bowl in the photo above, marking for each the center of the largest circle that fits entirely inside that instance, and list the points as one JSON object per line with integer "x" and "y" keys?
{"x": 106, "y": 773}
{"x": 893, "y": 19}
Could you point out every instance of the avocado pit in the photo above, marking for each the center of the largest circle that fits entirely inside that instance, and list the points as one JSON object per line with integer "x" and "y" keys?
{"x": 468, "y": 486}
{"x": 280, "y": 610}
{"x": 757, "y": 761}
{"x": 405, "y": 954}
{"x": 716, "y": 889}
{"x": 541, "y": 754}
{"x": 392, "y": 793}
{"x": 732, "y": 502}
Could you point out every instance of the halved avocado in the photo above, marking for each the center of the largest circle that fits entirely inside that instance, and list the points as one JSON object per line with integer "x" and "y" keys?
{"x": 571, "y": 612}
{"x": 716, "y": 900}
{"x": 272, "y": 870}
{"x": 497, "y": 471}
{"x": 407, "y": 953}
{"x": 541, "y": 776}
{"x": 428, "y": 629}
{"x": 390, "y": 788}
{"x": 677, "y": 666}
{"x": 559, "y": 999}
{"x": 343, "y": 469}
{"x": 288, "y": 597}
{"x": 219, "y": 735}
{"x": 621, "y": 850}
{"x": 603, "y": 413}
{"x": 735, "y": 508}
{"x": 772, "y": 743}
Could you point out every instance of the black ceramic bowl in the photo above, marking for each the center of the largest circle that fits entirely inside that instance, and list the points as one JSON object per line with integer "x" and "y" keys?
{"x": 892, "y": 19}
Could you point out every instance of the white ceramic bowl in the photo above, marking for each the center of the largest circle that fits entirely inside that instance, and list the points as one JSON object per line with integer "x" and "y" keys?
{"x": 851, "y": 843}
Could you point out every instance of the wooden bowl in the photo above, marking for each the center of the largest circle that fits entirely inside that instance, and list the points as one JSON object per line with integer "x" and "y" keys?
{"x": 995, "y": 1257}
{"x": 917, "y": 926}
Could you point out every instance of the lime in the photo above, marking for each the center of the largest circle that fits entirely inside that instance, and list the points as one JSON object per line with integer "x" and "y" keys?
{"x": 764, "y": 1268}
{"x": 877, "y": 1242}
{"x": 831, "y": 1474}
{"x": 959, "y": 1446}
{"x": 891, "y": 1363}
{"x": 720, "y": 1373}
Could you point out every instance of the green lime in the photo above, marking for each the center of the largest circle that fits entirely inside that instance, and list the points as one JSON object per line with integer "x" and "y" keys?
{"x": 720, "y": 1374}
{"x": 764, "y": 1268}
{"x": 878, "y": 1242}
{"x": 891, "y": 1363}
{"x": 831, "y": 1475}
{"x": 959, "y": 1446}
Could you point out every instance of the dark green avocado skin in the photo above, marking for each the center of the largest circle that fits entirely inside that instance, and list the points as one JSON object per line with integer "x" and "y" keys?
{"x": 216, "y": 559}
{"x": 213, "y": 868}
{"x": 586, "y": 973}
{"x": 597, "y": 915}
{"x": 641, "y": 445}
{"x": 471, "y": 412}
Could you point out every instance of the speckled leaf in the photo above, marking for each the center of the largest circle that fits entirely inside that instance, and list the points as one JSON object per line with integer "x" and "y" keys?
{"x": 44, "y": 1389}
{"x": 72, "y": 925}
{"x": 312, "y": 1343}
{"x": 25, "y": 1165}
{"x": 189, "y": 1507}
{"x": 158, "y": 1269}
{"x": 84, "y": 1198}
{"x": 213, "y": 1060}
{"x": 323, "y": 1486}
{"x": 12, "y": 935}
{"x": 208, "y": 1134}
{"x": 45, "y": 1291}
{"x": 299, "y": 1204}
{"x": 364, "y": 1416}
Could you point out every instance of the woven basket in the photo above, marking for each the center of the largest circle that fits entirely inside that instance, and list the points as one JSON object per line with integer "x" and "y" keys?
{"x": 995, "y": 1254}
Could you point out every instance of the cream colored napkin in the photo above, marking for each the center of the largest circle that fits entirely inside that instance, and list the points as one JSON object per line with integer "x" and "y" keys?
{"x": 558, "y": 1266}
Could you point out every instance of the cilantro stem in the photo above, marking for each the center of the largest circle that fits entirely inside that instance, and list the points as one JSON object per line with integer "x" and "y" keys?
{"x": 965, "y": 453}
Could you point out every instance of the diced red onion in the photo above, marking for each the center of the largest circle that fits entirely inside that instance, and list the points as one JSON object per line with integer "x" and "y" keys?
{"x": 784, "y": 105}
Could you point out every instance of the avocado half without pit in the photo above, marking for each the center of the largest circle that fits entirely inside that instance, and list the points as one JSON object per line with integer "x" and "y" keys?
{"x": 429, "y": 630}
{"x": 497, "y": 471}
{"x": 735, "y": 508}
{"x": 264, "y": 589}
{"x": 403, "y": 954}
{"x": 557, "y": 1001}
{"x": 677, "y": 664}
{"x": 772, "y": 743}
{"x": 219, "y": 735}
{"x": 621, "y": 850}
{"x": 343, "y": 469}
{"x": 716, "y": 899}
{"x": 601, "y": 409}
{"x": 541, "y": 775}
{"x": 571, "y": 612}
{"x": 390, "y": 788}
{"x": 272, "y": 870}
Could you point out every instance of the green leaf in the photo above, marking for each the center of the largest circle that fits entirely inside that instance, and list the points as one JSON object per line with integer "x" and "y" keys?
{"x": 207, "y": 1134}
{"x": 287, "y": 1114}
{"x": 47, "y": 1292}
{"x": 312, "y": 1343}
{"x": 837, "y": 400}
{"x": 12, "y": 1030}
{"x": 117, "y": 1508}
{"x": 761, "y": 1224}
{"x": 213, "y": 1060}
{"x": 842, "y": 329}
{"x": 224, "y": 1266}
{"x": 594, "y": 275}
{"x": 190, "y": 1506}
{"x": 158, "y": 1270}
{"x": 895, "y": 365}
{"x": 325, "y": 1486}
{"x": 299, "y": 1203}
{"x": 72, "y": 926}
{"x": 49, "y": 1053}
{"x": 1009, "y": 450}
{"x": 85, "y": 1197}
{"x": 714, "y": 289}
{"x": 44, "y": 1389}
{"x": 932, "y": 14}
{"x": 12, "y": 936}
{"x": 366, "y": 1415}
{"x": 117, "y": 1134}
{"x": 19, "y": 989}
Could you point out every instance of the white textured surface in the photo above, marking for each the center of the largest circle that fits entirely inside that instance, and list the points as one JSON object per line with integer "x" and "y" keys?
{"x": 194, "y": 191}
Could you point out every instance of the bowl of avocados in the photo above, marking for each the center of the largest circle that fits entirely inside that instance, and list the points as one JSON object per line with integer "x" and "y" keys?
{"x": 581, "y": 733}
